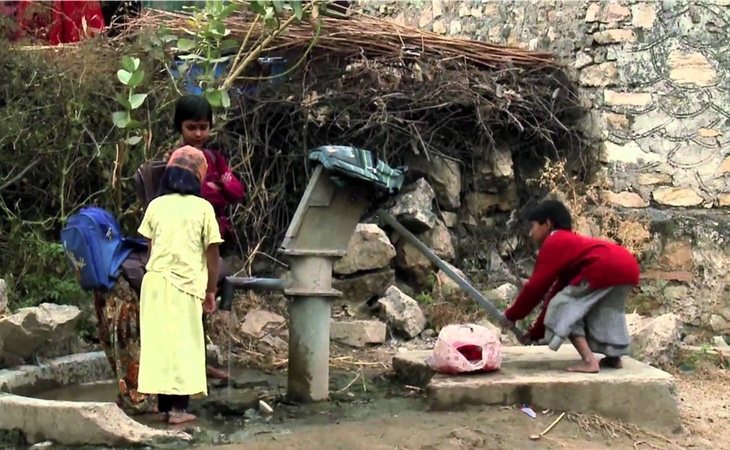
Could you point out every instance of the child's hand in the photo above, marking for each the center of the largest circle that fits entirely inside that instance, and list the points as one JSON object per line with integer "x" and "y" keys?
{"x": 213, "y": 186}
{"x": 227, "y": 177}
{"x": 209, "y": 305}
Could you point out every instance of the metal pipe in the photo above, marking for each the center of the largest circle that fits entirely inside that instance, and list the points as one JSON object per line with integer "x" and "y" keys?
{"x": 230, "y": 284}
{"x": 492, "y": 310}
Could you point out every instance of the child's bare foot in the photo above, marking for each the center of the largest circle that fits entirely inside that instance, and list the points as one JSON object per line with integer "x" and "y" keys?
{"x": 585, "y": 367}
{"x": 216, "y": 373}
{"x": 178, "y": 417}
{"x": 611, "y": 362}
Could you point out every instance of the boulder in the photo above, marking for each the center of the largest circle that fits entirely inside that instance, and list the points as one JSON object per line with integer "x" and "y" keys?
{"x": 31, "y": 329}
{"x": 439, "y": 240}
{"x": 413, "y": 206}
{"x": 358, "y": 333}
{"x": 359, "y": 289}
{"x": 655, "y": 340}
{"x": 402, "y": 313}
{"x": 444, "y": 174}
{"x": 413, "y": 263}
{"x": 369, "y": 249}
{"x": 258, "y": 322}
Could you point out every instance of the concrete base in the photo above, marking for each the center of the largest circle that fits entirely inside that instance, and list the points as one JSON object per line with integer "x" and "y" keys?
{"x": 638, "y": 393}
{"x": 70, "y": 423}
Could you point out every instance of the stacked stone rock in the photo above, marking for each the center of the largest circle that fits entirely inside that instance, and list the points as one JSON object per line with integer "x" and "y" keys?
{"x": 656, "y": 82}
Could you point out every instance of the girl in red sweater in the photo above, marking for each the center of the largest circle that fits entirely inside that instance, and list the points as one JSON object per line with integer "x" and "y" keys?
{"x": 583, "y": 283}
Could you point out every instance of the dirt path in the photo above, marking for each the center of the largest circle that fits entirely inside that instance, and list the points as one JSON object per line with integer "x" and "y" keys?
{"x": 484, "y": 428}
{"x": 704, "y": 399}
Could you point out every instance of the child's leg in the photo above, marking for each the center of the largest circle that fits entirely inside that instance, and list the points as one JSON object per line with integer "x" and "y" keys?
{"x": 179, "y": 412}
{"x": 588, "y": 362}
{"x": 164, "y": 403}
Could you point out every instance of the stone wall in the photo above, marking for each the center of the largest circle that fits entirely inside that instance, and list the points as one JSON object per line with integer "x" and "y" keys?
{"x": 655, "y": 77}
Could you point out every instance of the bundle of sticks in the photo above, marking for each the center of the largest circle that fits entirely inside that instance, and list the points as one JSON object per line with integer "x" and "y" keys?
{"x": 366, "y": 35}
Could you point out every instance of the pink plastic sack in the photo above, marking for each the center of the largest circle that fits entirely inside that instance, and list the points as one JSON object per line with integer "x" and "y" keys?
{"x": 466, "y": 348}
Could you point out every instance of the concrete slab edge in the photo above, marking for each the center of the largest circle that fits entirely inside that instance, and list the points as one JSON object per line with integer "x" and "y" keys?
{"x": 65, "y": 422}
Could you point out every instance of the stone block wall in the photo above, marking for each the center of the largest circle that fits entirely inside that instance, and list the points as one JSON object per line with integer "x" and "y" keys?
{"x": 655, "y": 78}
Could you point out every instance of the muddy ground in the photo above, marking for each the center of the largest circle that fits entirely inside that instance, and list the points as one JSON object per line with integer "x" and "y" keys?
{"x": 704, "y": 397}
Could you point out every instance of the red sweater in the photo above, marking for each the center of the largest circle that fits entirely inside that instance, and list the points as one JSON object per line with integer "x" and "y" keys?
{"x": 227, "y": 193}
{"x": 567, "y": 258}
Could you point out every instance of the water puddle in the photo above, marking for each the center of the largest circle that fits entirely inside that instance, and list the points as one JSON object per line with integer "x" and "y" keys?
{"x": 231, "y": 412}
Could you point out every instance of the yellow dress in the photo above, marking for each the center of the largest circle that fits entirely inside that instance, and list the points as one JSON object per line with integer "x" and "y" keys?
{"x": 172, "y": 357}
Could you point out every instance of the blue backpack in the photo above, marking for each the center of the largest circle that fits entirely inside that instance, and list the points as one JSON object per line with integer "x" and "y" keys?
{"x": 93, "y": 242}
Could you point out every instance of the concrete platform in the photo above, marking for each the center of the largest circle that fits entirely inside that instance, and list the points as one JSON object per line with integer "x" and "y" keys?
{"x": 638, "y": 393}
{"x": 65, "y": 422}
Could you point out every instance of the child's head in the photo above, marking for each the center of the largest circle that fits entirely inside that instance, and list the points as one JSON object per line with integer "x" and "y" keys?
{"x": 184, "y": 173}
{"x": 193, "y": 119}
{"x": 547, "y": 217}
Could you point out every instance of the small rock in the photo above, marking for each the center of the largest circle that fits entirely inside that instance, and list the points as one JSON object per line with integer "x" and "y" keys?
{"x": 719, "y": 341}
{"x": 643, "y": 15}
{"x": 626, "y": 199}
{"x": 428, "y": 333}
{"x": 439, "y": 27}
{"x": 444, "y": 175}
{"x": 402, "y": 313}
{"x": 41, "y": 445}
{"x": 616, "y": 121}
{"x": 648, "y": 179}
{"x": 368, "y": 249}
{"x": 677, "y": 256}
{"x": 413, "y": 206}
{"x": 480, "y": 203}
{"x": 691, "y": 68}
{"x": 439, "y": 240}
{"x": 504, "y": 294}
{"x": 358, "y": 333}
{"x": 614, "y": 12}
{"x": 592, "y": 13}
{"x": 455, "y": 27}
{"x": 214, "y": 355}
{"x": 677, "y": 196}
{"x": 639, "y": 99}
{"x": 655, "y": 340}
{"x": 599, "y": 75}
{"x": 450, "y": 219}
{"x": 233, "y": 403}
{"x": 582, "y": 59}
{"x": 413, "y": 263}
{"x": 257, "y": 320}
{"x": 437, "y": 8}
{"x": 616, "y": 36}
{"x": 359, "y": 289}
{"x": 270, "y": 343}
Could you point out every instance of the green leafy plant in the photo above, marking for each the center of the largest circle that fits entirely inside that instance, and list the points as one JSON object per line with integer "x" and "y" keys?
{"x": 131, "y": 75}
{"x": 207, "y": 45}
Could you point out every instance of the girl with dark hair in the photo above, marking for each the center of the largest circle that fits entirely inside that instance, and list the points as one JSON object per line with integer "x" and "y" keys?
{"x": 193, "y": 120}
{"x": 583, "y": 283}
{"x": 179, "y": 284}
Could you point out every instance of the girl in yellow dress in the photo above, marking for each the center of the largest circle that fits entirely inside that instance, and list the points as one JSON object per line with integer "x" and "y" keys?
{"x": 180, "y": 282}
